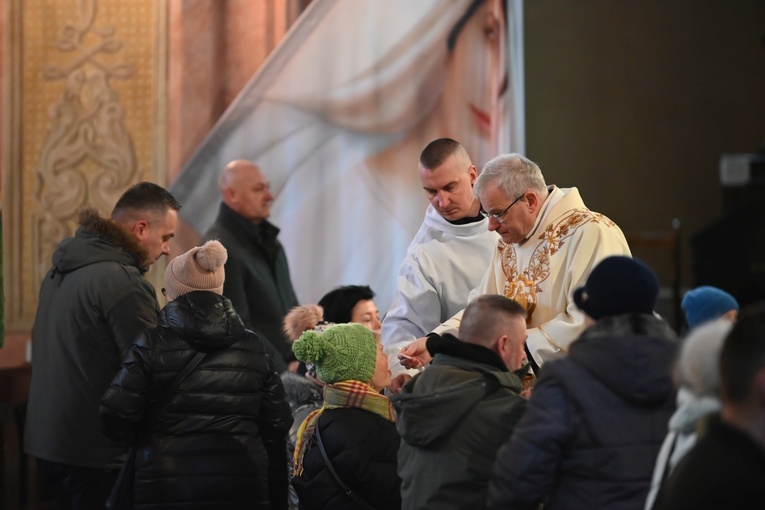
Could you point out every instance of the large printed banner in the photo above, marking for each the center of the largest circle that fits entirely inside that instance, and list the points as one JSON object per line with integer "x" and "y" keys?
{"x": 338, "y": 116}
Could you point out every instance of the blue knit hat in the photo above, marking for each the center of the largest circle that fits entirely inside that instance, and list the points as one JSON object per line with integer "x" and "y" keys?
{"x": 618, "y": 285}
{"x": 706, "y": 303}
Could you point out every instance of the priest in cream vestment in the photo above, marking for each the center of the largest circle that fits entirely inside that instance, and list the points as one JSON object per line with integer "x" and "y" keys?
{"x": 549, "y": 244}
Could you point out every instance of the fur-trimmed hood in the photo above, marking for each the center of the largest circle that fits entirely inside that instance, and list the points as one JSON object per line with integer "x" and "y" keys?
{"x": 97, "y": 240}
{"x": 300, "y": 390}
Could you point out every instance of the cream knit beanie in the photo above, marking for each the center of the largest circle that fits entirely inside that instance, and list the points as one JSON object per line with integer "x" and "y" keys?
{"x": 200, "y": 268}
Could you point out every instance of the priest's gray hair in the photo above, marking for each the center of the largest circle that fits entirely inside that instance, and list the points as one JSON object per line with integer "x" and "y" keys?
{"x": 514, "y": 174}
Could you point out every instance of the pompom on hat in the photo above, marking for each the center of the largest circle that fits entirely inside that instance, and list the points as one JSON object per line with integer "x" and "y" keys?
{"x": 706, "y": 303}
{"x": 301, "y": 318}
{"x": 341, "y": 352}
{"x": 616, "y": 286}
{"x": 200, "y": 268}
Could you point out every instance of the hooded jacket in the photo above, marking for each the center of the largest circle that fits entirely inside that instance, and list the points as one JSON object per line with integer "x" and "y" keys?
{"x": 220, "y": 439}
{"x": 595, "y": 422}
{"x": 453, "y": 417}
{"x": 93, "y": 303}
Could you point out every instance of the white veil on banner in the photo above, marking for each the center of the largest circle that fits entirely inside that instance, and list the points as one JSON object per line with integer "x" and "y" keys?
{"x": 338, "y": 115}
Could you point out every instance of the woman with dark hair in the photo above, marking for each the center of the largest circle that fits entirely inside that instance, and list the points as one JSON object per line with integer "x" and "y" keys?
{"x": 351, "y": 303}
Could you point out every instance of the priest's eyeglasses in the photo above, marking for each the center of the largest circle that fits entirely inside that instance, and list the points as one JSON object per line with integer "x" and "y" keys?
{"x": 499, "y": 216}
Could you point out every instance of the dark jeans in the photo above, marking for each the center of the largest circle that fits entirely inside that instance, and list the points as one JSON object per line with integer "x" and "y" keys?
{"x": 77, "y": 487}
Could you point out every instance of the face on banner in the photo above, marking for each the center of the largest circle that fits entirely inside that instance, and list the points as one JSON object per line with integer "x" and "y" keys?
{"x": 469, "y": 82}
{"x": 443, "y": 75}
{"x": 476, "y": 81}
{"x": 337, "y": 120}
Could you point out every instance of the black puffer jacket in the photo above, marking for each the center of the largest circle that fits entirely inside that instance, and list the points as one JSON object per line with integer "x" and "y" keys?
{"x": 219, "y": 442}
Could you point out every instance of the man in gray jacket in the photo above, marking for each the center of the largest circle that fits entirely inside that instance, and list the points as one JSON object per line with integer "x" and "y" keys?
{"x": 94, "y": 301}
{"x": 454, "y": 416}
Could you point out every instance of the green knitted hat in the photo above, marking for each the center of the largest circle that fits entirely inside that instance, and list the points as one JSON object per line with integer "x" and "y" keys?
{"x": 339, "y": 353}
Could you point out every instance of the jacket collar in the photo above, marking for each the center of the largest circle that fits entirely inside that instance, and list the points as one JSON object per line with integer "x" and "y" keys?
{"x": 452, "y": 346}
{"x": 629, "y": 324}
{"x": 109, "y": 231}
{"x": 265, "y": 230}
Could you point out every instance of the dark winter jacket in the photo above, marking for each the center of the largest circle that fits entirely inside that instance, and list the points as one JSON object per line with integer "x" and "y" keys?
{"x": 93, "y": 303}
{"x": 257, "y": 277}
{"x": 594, "y": 423}
{"x": 219, "y": 441}
{"x": 305, "y": 396}
{"x": 453, "y": 417}
{"x": 362, "y": 447}
{"x": 724, "y": 469}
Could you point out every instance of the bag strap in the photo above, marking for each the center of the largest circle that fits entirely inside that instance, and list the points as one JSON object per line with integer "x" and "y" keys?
{"x": 667, "y": 464}
{"x": 190, "y": 366}
{"x": 355, "y": 497}
{"x": 530, "y": 358}
{"x": 165, "y": 397}
{"x": 118, "y": 494}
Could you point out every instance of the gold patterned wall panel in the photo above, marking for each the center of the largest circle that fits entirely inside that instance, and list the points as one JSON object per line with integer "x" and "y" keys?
{"x": 87, "y": 111}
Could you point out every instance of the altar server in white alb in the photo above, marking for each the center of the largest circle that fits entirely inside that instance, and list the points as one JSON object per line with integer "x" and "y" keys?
{"x": 447, "y": 257}
{"x": 549, "y": 244}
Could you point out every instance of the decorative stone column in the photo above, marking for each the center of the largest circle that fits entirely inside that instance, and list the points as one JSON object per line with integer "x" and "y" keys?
{"x": 83, "y": 119}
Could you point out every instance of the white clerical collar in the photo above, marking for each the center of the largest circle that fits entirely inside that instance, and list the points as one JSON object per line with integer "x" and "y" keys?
{"x": 554, "y": 195}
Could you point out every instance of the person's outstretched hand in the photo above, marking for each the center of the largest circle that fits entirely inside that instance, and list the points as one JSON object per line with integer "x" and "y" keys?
{"x": 415, "y": 355}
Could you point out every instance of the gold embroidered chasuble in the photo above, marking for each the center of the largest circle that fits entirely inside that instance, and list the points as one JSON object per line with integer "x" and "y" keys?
{"x": 542, "y": 272}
